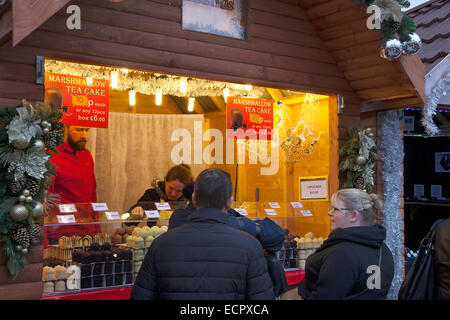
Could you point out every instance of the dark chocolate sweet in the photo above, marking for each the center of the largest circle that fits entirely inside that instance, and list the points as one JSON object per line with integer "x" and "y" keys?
{"x": 86, "y": 270}
{"x": 98, "y": 268}
{"x": 81, "y": 256}
{"x": 106, "y": 247}
{"x": 94, "y": 247}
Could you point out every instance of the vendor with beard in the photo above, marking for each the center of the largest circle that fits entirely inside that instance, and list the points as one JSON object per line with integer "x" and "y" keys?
{"x": 74, "y": 181}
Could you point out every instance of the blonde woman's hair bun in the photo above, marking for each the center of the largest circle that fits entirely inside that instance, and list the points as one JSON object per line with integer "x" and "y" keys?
{"x": 377, "y": 203}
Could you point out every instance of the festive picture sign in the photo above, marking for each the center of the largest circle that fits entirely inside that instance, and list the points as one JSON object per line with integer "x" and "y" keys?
{"x": 249, "y": 118}
{"x": 88, "y": 102}
{"x": 221, "y": 17}
{"x": 314, "y": 188}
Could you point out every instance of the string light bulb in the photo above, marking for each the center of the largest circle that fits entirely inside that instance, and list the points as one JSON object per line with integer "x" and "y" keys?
{"x": 226, "y": 93}
{"x": 114, "y": 79}
{"x": 183, "y": 85}
{"x": 191, "y": 104}
{"x": 132, "y": 97}
{"x": 248, "y": 87}
{"x": 125, "y": 70}
{"x": 89, "y": 81}
{"x": 158, "y": 97}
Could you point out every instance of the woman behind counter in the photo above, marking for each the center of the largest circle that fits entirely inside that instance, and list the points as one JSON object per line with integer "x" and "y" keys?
{"x": 171, "y": 189}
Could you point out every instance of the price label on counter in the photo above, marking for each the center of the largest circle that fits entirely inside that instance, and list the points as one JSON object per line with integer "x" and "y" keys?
{"x": 271, "y": 212}
{"x": 112, "y": 215}
{"x": 99, "y": 206}
{"x": 152, "y": 214}
{"x": 242, "y": 211}
{"x": 163, "y": 206}
{"x": 274, "y": 205}
{"x": 66, "y": 219}
{"x": 67, "y": 208}
{"x": 307, "y": 213}
{"x": 296, "y": 205}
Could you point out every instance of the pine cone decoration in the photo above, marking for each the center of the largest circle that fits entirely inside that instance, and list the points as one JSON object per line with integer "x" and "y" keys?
{"x": 35, "y": 232}
{"x": 17, "y": 185}
{"x": 359, "y": 182}
{"x": 33, "y": 185}
{"x": 395, "y": 25}
{"x": 369, "y": 189}
{"x": 20, "y": 235}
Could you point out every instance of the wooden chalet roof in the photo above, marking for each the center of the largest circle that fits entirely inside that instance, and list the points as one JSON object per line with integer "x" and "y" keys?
{"x": 433, "y": 26}
{"x": 341, "y": 24}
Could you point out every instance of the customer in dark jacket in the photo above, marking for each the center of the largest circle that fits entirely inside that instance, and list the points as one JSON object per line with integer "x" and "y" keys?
{"x": 271, "y": 239}
{"x": 342, "y": 268}
{"x": 442, "y": 260}
{"x": 205, "y": 258}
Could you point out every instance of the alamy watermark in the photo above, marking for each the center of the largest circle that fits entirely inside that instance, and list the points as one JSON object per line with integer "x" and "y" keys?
{"x": 374, "y": 280}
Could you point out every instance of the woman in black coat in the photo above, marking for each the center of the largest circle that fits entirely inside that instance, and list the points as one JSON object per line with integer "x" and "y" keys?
{"x": 354, "y": 262}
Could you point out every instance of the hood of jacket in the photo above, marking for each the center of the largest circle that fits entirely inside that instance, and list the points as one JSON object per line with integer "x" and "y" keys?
{"x": 372, "y": 236}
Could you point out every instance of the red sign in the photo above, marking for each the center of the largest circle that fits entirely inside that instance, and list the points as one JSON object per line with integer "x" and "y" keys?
{"x": 88, "y": 102}
{"x": 249, "y": 118}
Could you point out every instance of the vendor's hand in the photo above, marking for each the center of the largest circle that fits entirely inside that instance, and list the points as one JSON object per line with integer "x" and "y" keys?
{"x": 137, "y": 213}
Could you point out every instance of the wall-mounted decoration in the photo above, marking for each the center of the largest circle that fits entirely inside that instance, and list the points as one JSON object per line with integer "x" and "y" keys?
{"x": 220, "y": 17}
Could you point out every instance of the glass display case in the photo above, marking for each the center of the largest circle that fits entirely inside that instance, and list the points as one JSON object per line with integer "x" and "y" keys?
{"x": 94, "y": 246}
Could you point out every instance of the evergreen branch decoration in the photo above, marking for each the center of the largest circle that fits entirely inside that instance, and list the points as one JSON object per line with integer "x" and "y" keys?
{"x": 28, "y": 136}
{"x": 358, "y": 157}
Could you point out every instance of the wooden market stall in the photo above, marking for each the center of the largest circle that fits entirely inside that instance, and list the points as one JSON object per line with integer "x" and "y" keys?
{"x": 292, "y": 48}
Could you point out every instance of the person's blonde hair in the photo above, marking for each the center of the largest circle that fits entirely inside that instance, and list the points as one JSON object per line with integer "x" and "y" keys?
{"x": 356, "y": 199}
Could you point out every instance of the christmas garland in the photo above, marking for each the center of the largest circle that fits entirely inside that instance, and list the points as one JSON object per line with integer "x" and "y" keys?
{"x": 393, "y": 21}
{"x": 359, "y": 154}
{"x": 28, "y": 135}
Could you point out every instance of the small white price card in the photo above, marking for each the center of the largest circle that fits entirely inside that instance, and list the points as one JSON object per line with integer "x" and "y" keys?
{"x": 66, "y": 219}
{"x": 274, "y": 205}
{"x": 296, "y": 205}
{"x": 112, "y": 215}
{"x": 67, "y": 208}
{"x": 271, "y": 212}
{"x": 99, "y": 206}
{"x": 152, "y": 214}
{"x": 307, "y": 213}
{"x": 163, "y": 206}
{"x": 242, "y": 211}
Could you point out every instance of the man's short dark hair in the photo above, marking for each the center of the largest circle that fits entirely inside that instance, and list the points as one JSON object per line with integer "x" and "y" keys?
{"x": 212, "y": 189}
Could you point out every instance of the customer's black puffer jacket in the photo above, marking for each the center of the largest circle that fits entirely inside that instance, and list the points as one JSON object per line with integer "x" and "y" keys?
{"x": 442, "y": 262}
{"x": 205, "y": 259}
{"x": 339, "y": 268}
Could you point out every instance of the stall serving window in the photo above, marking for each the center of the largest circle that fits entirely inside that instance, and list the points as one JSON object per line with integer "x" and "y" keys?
{"x": 279, "y": 146}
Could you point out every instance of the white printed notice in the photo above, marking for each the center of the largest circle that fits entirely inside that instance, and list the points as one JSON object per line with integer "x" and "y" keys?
{"x": 419, "y": 190}
{"x": 313, "y": 189}
{"x": 296, "y": 205}
{"x": 274, "y": 205}
{"x": 436, "y": 191}
{"x": 163, "y": 206}
{"x": 307, "y": 213}
{"x": 271, "y": 212}
{"x": 152, "y": 214}
{"x": 112, "y": 215}
{"x": 66, "y": 219}
{"x": 67, "y": 208}
{"x": 241, "y": 211}
{"x": 99, "y": 206}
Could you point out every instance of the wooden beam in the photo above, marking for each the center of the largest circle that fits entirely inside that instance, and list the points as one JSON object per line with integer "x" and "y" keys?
{"x": 390, "y": 105}
{"x": 415, "y": 70}
{"x": 28, "y": 15}
{"x": 219, "y": 102}
{"x": 275, "y": 94}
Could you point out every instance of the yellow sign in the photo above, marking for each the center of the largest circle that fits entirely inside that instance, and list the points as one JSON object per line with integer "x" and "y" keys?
{"x": 313, "y": 188}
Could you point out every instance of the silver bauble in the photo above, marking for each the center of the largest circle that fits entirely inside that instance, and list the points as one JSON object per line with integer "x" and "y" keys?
{"x": 22, "y": 198}
{"x": 391, "y": 49}
{"x": 45, "y": 130}
{"x": 28, "y": 199}
{"x": 19, "y": 247}
{"x": 18, "y": 213}
{"x": 360, "y": 160}
{"x": 35, "y": 242}
{"x": 37, "y": 210}
{"x": 20, "y": 143}
{"x": 26, "y": 192}
{"x": 24, "y": 250}
{"x": 413, "y": 45}
{"x": 44, "y": 124}
{"x": 39, "y": 144}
